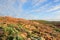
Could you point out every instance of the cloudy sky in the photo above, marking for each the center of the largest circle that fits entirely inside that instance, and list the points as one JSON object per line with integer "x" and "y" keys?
{"x": 31, "y": 9}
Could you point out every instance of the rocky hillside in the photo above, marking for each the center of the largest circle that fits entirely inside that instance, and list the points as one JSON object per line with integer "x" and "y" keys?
{"x": 21, "y": 29}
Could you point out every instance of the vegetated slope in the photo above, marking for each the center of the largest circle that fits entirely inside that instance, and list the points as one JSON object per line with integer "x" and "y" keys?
{"x": 20, "y": 29}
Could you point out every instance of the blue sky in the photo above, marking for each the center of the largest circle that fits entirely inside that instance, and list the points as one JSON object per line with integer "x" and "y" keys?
{"x": 31, "y": 9}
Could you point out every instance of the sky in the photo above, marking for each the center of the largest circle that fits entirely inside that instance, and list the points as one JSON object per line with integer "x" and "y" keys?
{"x": 31, "y": 9}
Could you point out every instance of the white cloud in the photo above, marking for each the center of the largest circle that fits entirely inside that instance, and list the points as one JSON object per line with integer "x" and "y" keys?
{"x": 54, "y": 8}
{"x": 41, "y": 9}
{"x": 56, "y": 0}
{"x": 56, "y": 16}
{"x": 9, "y": 10}
{"x": 38, "y": 2}
{"x": 23, "y": 1}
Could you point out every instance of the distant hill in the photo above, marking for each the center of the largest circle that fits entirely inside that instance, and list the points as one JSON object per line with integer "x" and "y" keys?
{"x": 55, "y": 23}
{"x": 21, "y": 29}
